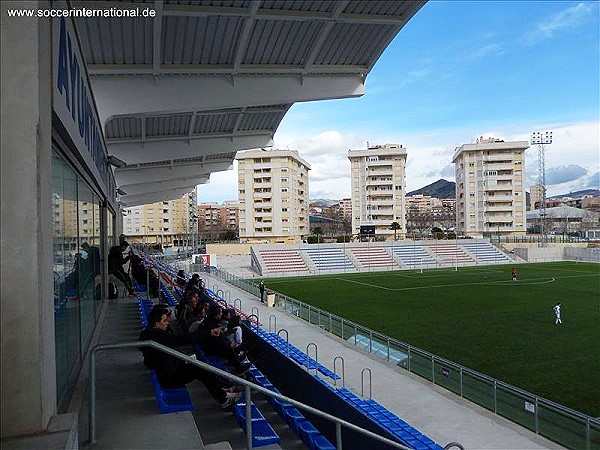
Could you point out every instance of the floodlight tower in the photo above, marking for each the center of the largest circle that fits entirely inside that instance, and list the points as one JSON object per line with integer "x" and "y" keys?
{"x": 542, "y": 139}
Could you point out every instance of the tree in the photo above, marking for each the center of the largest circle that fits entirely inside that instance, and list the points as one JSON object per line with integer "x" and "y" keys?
{"x": 318, "y": 231}
{"x": 395, "y": 226}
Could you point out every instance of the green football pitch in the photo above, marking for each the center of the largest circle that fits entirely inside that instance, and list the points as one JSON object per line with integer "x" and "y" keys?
{"x": 480, "y": 318}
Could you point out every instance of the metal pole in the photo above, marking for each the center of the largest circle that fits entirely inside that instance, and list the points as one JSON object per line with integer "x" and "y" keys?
{"x": 461, "y": 381}
{"x": 148, "y": 284}
{"x": 338, "y": 436}
{"x": 248, "y": 419}
{"x": 495, "y": 397}
{"x": 92, "y": 412}
{"x": 536, "y": 417}
{"x": 587, "y": 434}
{"x": 388, "y": 349}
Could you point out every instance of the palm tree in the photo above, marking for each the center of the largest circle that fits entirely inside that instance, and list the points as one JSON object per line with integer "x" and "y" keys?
{"x": 318, "y": 231}
{"x": 395, "y": 226}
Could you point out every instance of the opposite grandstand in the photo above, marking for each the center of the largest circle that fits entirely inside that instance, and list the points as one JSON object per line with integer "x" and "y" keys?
{"x": 480, "y": 318}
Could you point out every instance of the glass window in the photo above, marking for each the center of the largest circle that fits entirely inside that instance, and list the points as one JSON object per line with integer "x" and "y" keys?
{"x": 65, "y": 243}
{"x": 77, "y": 267}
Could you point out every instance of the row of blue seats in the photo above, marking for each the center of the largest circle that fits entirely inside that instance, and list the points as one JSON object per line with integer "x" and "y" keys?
{"x": 168, "y": 295}
{"x": 167, "y": 400}
{"x": 299, "y": 424}
{"x": 262, "y": 432}
{"x": 400, "y": 429}
{"x": 297, "y": 355}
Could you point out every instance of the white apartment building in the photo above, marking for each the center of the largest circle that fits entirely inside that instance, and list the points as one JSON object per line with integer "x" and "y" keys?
{"x": 273, "y": 196}
{"x": 170, "y": 222}
{"x": 490, "y": 195}
{"x": 378, "y": 185}
{"x": 536, "y": 192}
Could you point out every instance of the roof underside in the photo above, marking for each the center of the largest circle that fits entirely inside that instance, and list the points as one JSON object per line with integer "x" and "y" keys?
{"x": 206, "y": 78}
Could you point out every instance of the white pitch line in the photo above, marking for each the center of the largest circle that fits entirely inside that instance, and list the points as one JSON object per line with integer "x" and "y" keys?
{"x": 534, "y": 281}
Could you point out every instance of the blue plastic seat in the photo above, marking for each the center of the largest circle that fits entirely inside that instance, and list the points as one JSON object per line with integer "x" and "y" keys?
{"x": 320, "y": 442}
{"x": 307, "y": 430}
{"x": 171, "y": 400}
{"x": 262, "y": 432}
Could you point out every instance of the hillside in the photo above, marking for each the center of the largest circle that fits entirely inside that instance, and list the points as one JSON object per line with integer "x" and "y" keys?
{"x": 440, "y": 189}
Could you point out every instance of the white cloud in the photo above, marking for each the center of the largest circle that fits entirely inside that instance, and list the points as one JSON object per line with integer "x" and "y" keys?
{"x": 568, "y": 18}
{"x": 429, "y": 157}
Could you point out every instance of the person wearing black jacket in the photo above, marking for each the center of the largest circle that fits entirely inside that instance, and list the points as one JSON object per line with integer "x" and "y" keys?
{"x": 142, "y": 275}
{"x": 173, "y": 372}
{"x": 115, "y": 265}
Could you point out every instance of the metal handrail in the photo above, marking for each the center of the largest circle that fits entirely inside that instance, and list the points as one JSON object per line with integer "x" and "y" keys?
{"x": 235, "y": 304}
{"x": 287, "y": 341}
{"x": 335, "y": 373}
{"x": 254, "y": 312}
{"x": 273, "y": 316}
{"x": 362, "y": 382}
{"x": 235, "y": 379}
{"x": 316, "y": 358}
{"x": 345, "y": 324}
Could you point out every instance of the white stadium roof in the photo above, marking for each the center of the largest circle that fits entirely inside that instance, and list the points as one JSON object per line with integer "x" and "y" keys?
{"x": 179, "y": 94}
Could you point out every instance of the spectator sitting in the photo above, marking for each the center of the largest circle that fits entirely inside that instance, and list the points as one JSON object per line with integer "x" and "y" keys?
{"x": 164, "y": 309}
{"x": 214, "y": 319}
{"x": 180, "y": 280}
{"x": 231, "y": 323}
{"x": 193, "y": 284}
{"x": 141, "y": 275}
{"x": 173, "y": 372}
{"x": 191, "y": 315}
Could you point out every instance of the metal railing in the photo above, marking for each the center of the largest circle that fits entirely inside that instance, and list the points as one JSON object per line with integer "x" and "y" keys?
{"x": 544, "y": 417}
{"x": 339, "y": 423}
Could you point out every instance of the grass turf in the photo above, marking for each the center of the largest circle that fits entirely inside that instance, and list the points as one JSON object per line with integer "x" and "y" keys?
{"x": 478, "y": 317}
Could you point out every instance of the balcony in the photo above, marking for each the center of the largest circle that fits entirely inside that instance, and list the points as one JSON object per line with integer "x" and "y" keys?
{"x": 499, "y": 199}
{"x": 498, "y": 187}
{"x": 498, "y": 157}
{"x": 499, "y": 207}
{"x": 500, "y": 219}
{"x": 500, "y": 165}
{"x": 379, "y": 182}
{"x": 380, "y": 171}
{"x": 383, "y": 163}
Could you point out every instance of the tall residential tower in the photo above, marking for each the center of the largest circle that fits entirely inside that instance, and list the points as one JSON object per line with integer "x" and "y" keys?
{"x": 378, "y": 185}
{"x": 273, "y": 196}
{"x": 490, "y": 195}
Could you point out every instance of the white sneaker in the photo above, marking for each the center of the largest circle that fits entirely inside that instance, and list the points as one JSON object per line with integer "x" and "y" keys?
{"x": 230, "y": 398}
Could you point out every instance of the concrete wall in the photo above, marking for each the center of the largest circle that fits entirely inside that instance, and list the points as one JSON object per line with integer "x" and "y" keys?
{"x": 583, "y": 254}
{"x": 228, "y": 249}
{"x": 553, "y": 252}
{"x": 28, "y": 379}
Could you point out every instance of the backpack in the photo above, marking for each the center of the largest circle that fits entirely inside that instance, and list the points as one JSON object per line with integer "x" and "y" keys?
{"x": 113, "y": 292}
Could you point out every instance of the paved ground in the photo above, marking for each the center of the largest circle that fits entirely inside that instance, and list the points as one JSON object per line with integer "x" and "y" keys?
{"x": 436, "y": 412}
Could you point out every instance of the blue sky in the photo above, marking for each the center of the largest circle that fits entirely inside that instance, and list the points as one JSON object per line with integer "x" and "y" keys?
{"x": 456, "y": 71}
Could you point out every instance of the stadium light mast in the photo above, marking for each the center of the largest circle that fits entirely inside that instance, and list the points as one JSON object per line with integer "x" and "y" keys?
{"x": 541, "y": 139}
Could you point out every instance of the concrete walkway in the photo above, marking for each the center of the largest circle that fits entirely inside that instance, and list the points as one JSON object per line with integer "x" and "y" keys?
{"x": 436, "y": 412}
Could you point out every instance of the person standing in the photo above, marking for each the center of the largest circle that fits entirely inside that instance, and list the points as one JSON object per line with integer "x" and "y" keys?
{"x": 557, "y": 313}
{"x": 115, "y": 265}
{"x": 513, "y": 274}
{"x": 261, "y": 286}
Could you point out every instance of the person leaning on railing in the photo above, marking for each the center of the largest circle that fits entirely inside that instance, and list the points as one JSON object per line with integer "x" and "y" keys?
{"x": 173, "y": 372}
